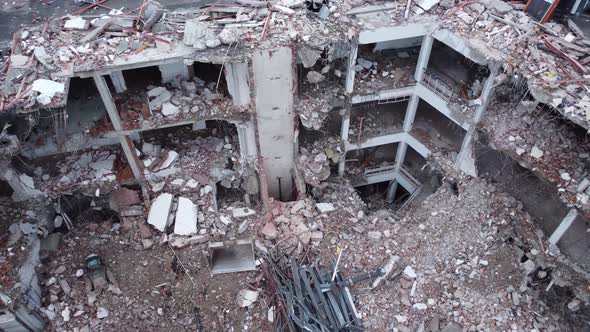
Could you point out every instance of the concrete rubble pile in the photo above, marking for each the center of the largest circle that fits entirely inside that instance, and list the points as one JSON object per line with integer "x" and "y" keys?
{"x": 436, "y": 280}
{"x": 314, "y": 166}
{"x": 77, "y": 43}
{"x": 560, "y": 157}
{"x": 193, "y": 165}
{"x": 383, "y": 73}
{"x": 88, "y": 171}
{"x": 295, "y": 226}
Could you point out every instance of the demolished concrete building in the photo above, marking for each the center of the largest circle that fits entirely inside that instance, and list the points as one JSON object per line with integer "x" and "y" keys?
{"x": 287, "y": 121}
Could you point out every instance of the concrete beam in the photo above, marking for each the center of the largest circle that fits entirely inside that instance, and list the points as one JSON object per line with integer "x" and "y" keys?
{"x": 126, "y": 143}
{"x": 465, "y": 159}
{"x": 199, "y": 125}
{"x": 344, "y": 135}
{"x": 22, "y": 191}
{"x": 417, "y": 145}
{"x": 384, "y": 95}
{"x": 563, "y": 226}
{"x": 424, "y": 56}
{"x": 274, "y": 77}
{"x": 386, "y": 33}
{"x": 391, "y": 189}
{"x": 236, "y": 76}
{"x": 411, "y": 110}
{"x": 171, "y": 71}
{"x": 247, "y": 138}
{"x": 375, "y": 141}
{"x": 118, "y": 81}
{"x": 461, "y": 45}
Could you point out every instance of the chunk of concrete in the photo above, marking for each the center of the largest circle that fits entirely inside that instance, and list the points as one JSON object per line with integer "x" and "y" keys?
{"x": 185, "y": 222}
{"x": 47, "y": 89}
{"x": 247, "y": 297}
{"x": 194, "y": 31}
{"x": 159, "y": 211}
{"x": 228, "y": 36}
{"x": 314, "y": 77}
{"x": 242, "y": 212}
{"x": 389, "y": 268}
{"x": 169, "y": 109}
{"x": 77, "y": 23}
{"x": 536, "y": 152}
{"x": 325, "y": 207}
{"x": 170, "y": 158}
{"x": 270, "y": 230}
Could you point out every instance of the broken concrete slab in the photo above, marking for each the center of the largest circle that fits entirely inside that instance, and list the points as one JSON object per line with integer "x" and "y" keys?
{"x": 77, "y": 23}
{"x": 19, "y": 61}
{"x": 194, "y": 31}
{"x": 185, "y": 222}
{"x": 325, "y": 207}
{"x": 169, "y": 109}
{"x": 47, "y": 89}
{"x": 159, "y": 211}
{"x": 270, "y": 230}
{"x": 242, "y": 212}
{"x": 171, "y": 157}
{"x": 247, "y": 297}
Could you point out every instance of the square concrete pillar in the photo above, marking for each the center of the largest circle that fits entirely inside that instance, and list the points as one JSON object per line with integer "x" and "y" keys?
{"x": 118, "y": 81}
{"x": 172, "y": 70}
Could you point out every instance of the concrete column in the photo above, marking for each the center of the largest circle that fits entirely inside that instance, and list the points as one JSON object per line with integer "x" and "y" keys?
{"x": 236, "y": 76}
{"x": 118, "y": 81}
{"x": 172, "y": 70}
{"x": 424, "y": 56}
{"x": 390, "y": 195}
{"x": 350, "y": 72}
{"x": 199, "y": 125}
{"x": 23, "y": 189}
{"x": 563, "y": 226}
{"x": 126, "y": 143}
{"x": 344, "y": 135}
{"x": 247, "y": 138}
{"x": 274, "y": 77}
{"x": 411, "y": 113}
{"x": 465, "y": 160}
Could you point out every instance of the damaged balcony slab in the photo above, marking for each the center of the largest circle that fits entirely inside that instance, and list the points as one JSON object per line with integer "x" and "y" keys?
{"x": 384, "y": 95}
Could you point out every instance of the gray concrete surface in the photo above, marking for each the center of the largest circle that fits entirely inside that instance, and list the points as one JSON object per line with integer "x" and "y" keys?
{"x": 273, "y": 80}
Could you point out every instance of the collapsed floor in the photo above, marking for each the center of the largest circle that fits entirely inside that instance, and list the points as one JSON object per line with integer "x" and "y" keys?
{"x": 469, "y": 256}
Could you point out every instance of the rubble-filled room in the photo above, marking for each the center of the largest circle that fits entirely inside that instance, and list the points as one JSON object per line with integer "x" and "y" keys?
{"x": 376, "y": 119}
{"x": 455, "y": 77}
{"x": 386, "y": 65}
{"x": 294, "y": 166}
{"x": 435, "y": 130}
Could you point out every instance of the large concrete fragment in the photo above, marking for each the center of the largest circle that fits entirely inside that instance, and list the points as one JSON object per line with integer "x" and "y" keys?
{"x": 159, "y": 211}
{"x": 185, "y": 222}
{"x": 273, "y": 77}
